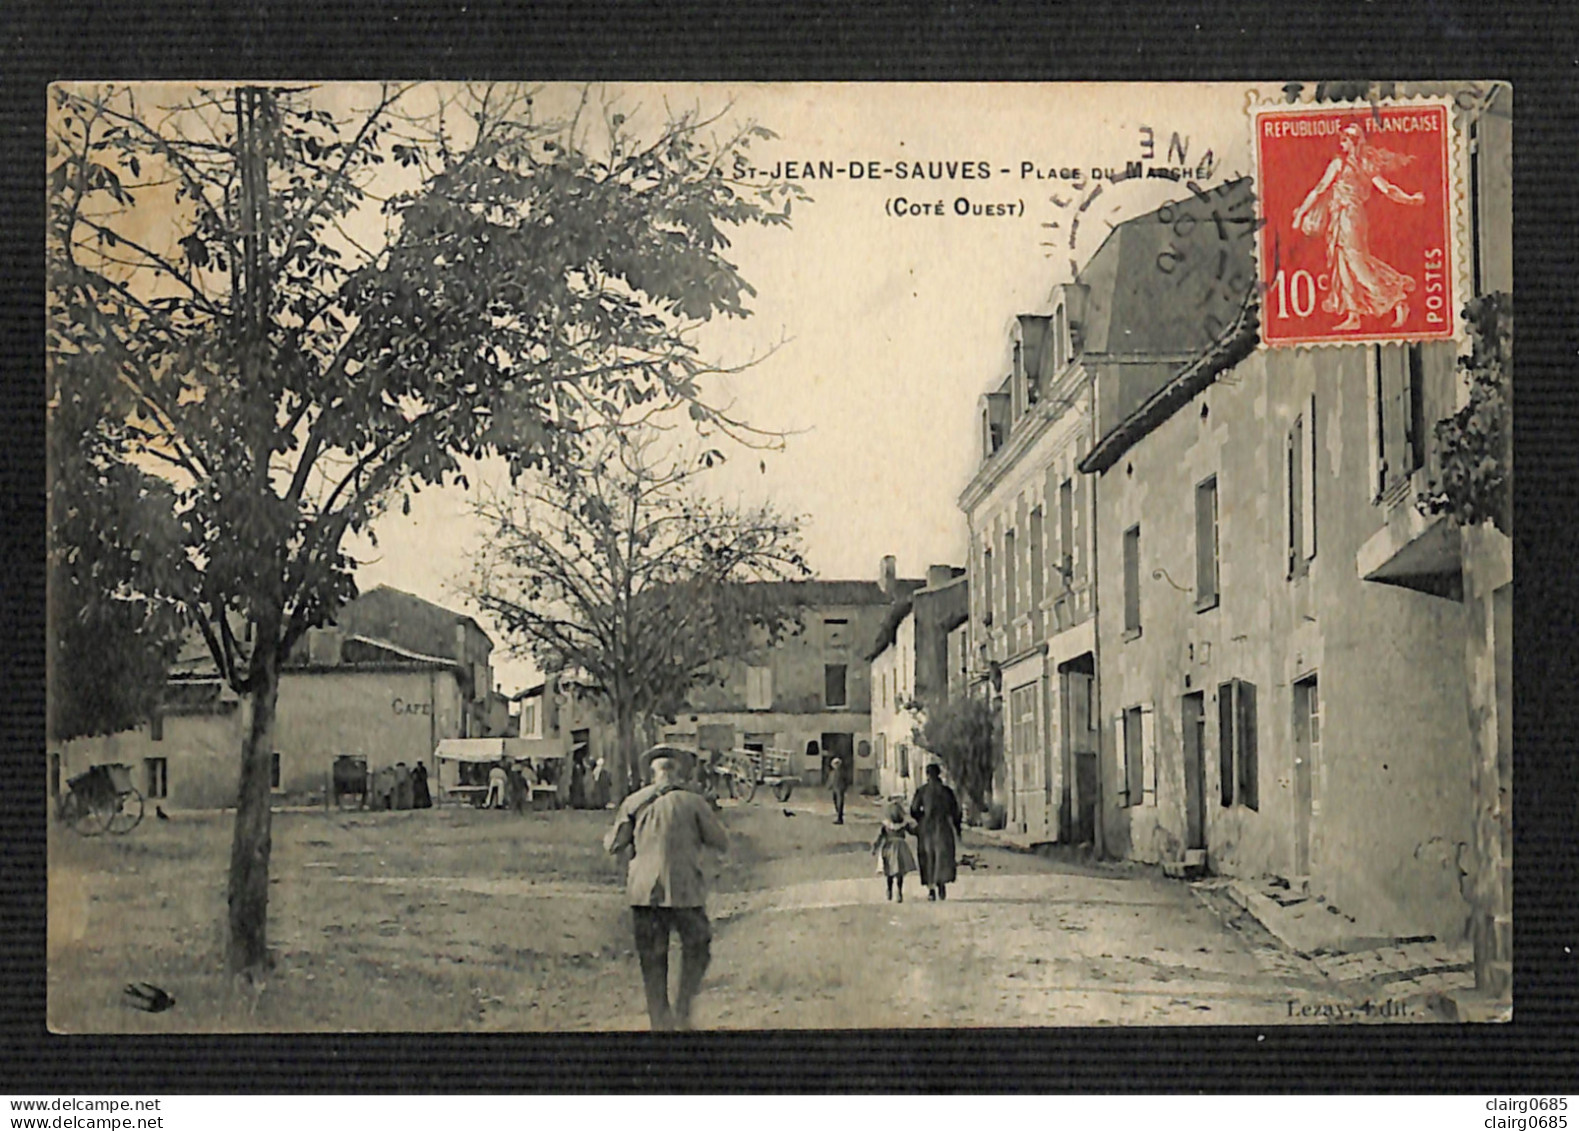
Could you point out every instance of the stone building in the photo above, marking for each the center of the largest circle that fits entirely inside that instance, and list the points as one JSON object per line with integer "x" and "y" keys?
{"x": 1283, "y": 635}
{"x": 1112, "y": 337}
{"x": 811, "y": 693}
{"x": 910, "y": 673}
{"x": 393, "y": 676}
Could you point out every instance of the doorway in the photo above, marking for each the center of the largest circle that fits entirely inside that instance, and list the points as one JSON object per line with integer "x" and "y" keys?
{"x": 841, "y": 746}
{"x": 1078, "y": 801}
{"x": 1307, "y": 749}
{"x": 1194, "y": 730}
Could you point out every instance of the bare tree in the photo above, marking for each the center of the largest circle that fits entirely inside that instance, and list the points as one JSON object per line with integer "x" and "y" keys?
{"x": 623, "y": 570}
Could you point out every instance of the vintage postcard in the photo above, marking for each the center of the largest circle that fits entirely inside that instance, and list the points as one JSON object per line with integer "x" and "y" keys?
{"x": 553, "y": 557}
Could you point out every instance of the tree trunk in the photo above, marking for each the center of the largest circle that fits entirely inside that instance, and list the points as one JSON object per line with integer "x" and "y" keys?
{"x": 247, "y": 949}
{"x": 629, "y": 751}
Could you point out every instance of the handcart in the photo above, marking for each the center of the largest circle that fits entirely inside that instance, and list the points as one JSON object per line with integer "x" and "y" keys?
{"x": 102, "y": 799}
{"x": 744, "y": 770}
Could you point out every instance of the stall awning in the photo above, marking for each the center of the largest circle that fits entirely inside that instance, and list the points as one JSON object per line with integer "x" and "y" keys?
{"x": 492, "y": 749}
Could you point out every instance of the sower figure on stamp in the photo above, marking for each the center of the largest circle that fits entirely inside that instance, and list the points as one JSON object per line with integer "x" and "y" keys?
{"x": 1361, "y": 283}
{"x": 937, "y": 815}
{"x": 665, "y": 826}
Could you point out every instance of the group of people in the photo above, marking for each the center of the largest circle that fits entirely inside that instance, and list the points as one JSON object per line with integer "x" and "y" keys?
{"x": 510, "y": 783}
{"x": 934, "y": 820}
{"x": 659, "y": 834}
{"x": 400, "y": 787}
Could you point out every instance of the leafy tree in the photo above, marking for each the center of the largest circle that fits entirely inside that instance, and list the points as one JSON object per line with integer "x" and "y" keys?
{"x": 293, "y": 305}
{"x": 964, "y": 734}
{"x": 1476, "y": 442}
{"x": 111, "y": 637}
{"x": 623, "y": 570}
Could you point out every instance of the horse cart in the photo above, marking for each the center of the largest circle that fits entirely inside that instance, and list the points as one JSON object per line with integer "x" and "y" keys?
{"x": 102, "y": 799}
{"x": 741, "y": 771}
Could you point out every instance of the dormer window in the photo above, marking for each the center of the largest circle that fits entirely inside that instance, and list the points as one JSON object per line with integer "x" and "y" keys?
{"x": 1060, "y": 336}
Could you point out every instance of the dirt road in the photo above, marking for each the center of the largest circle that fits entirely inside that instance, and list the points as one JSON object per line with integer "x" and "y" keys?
{"x": 470, "y": 920}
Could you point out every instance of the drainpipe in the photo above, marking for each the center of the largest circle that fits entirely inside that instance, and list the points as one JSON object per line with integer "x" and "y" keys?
{"x": 1099, "y": 716}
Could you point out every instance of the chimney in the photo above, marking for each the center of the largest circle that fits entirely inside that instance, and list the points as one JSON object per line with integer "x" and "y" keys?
{"x": 323, "y": 646}
{"x": 887, "y": 575}
{"x": 939, "y": 576}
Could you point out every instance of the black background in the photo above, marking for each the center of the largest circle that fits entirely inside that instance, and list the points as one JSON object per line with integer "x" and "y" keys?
{"x": 1531, "y": 44}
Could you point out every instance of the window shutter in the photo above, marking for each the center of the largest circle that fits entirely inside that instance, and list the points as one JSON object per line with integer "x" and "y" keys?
{"x": 1308, "y": 503}
{"x": 1225, "y": 742}
{"x": 1148, "y": 745}
{"x": 1373, "y": 433}
{"x": 1129, "y": 793}
{"x": 1245, "y": 733}
{"x": 1291, "y": 498}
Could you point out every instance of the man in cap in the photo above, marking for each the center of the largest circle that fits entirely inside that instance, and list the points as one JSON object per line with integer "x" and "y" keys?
{"x": 665, "y": 826}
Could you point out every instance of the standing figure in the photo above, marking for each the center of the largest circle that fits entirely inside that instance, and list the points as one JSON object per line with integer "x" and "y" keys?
{"x": 498, "y": 782}
{"x": 518, "y": 787}
{"x": 1361, "y": 284}
{"x": 421, "y": 798}
{"x": 937, "y": 815}
{"x": 894, "y": 858}
{"x": 602, "y": 785}
{"x": 578, "y": 781}
{"x": 665, "y": 826}
{"x": 838, "y": 785}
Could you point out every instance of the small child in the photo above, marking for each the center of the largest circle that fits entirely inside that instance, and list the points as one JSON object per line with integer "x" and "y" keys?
{"x": 894, "y": 857}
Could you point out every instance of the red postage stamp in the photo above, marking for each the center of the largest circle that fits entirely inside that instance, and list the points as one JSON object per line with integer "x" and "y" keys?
{"x": 1358, "y": 208}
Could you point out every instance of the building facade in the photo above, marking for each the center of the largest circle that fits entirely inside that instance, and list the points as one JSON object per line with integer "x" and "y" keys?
{"x": 1282, "y": 632}
{"x": 810, "y": 694}
{"x": 910, "y": 674}
{"x": 393, "y": 676}
{"x": 1111, "y": 339}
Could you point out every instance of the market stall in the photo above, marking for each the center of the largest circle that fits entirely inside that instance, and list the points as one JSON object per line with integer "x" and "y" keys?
{"x": 462, "y": 766}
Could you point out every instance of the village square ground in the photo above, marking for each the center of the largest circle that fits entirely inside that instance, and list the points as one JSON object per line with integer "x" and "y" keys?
{"x": 467, "y": 920}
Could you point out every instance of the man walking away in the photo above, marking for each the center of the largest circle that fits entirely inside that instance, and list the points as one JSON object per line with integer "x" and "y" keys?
{"x": 666, "y": 826}
{"x": 498, "y": 780}
{"x": 937, "y": 815}
{"x": 837, "y": 783}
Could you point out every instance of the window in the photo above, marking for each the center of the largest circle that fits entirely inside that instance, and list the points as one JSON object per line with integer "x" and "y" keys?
{"x": 156, "y": 777}
{"x": 835, "y": 632}
{"x": 986, "y": 589}
{"x": 834, "y": 689}
{"x": 759, "y": 689}
{"x": 1060, "y": 339}
{"x": 1038, "y": 566}
{"x": 904, "y": 760}
{"x": 54, "y": 775}
{"x": 156, "y": 727}
{"x": 1066, "y": 529}
{"x": 274, "y": 770}
{"x": 1011, "y": 592}
{"x": 1206, "y": 594}
{"x": 1236, "y": 743}
{"x": 1132, "y": 582}
{"x": 1398, "y": 410}
{"x": 528, "y": 720}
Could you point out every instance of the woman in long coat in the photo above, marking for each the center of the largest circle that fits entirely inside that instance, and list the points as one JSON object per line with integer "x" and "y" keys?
{"x": 937, "y": 815}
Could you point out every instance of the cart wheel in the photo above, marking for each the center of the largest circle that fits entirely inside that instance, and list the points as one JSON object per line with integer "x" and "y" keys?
{"x": 124, "y": 813}
{"x": 782, "y": 790}
{"x": 83, "y": 818}
{"x": 744, "y": 789}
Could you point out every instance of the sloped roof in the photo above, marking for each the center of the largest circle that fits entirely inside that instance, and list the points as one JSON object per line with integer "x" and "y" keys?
{"x": 405, "y": 620}
{"x": 819, "y": 592}
{"x": 1147, "y": 280}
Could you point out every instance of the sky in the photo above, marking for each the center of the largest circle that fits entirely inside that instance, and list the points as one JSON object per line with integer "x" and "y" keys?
{"x": 876, "y": 332}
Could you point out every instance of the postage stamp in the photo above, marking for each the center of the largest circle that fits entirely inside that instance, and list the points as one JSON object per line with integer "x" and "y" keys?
{"x": 1358, "y": 207}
